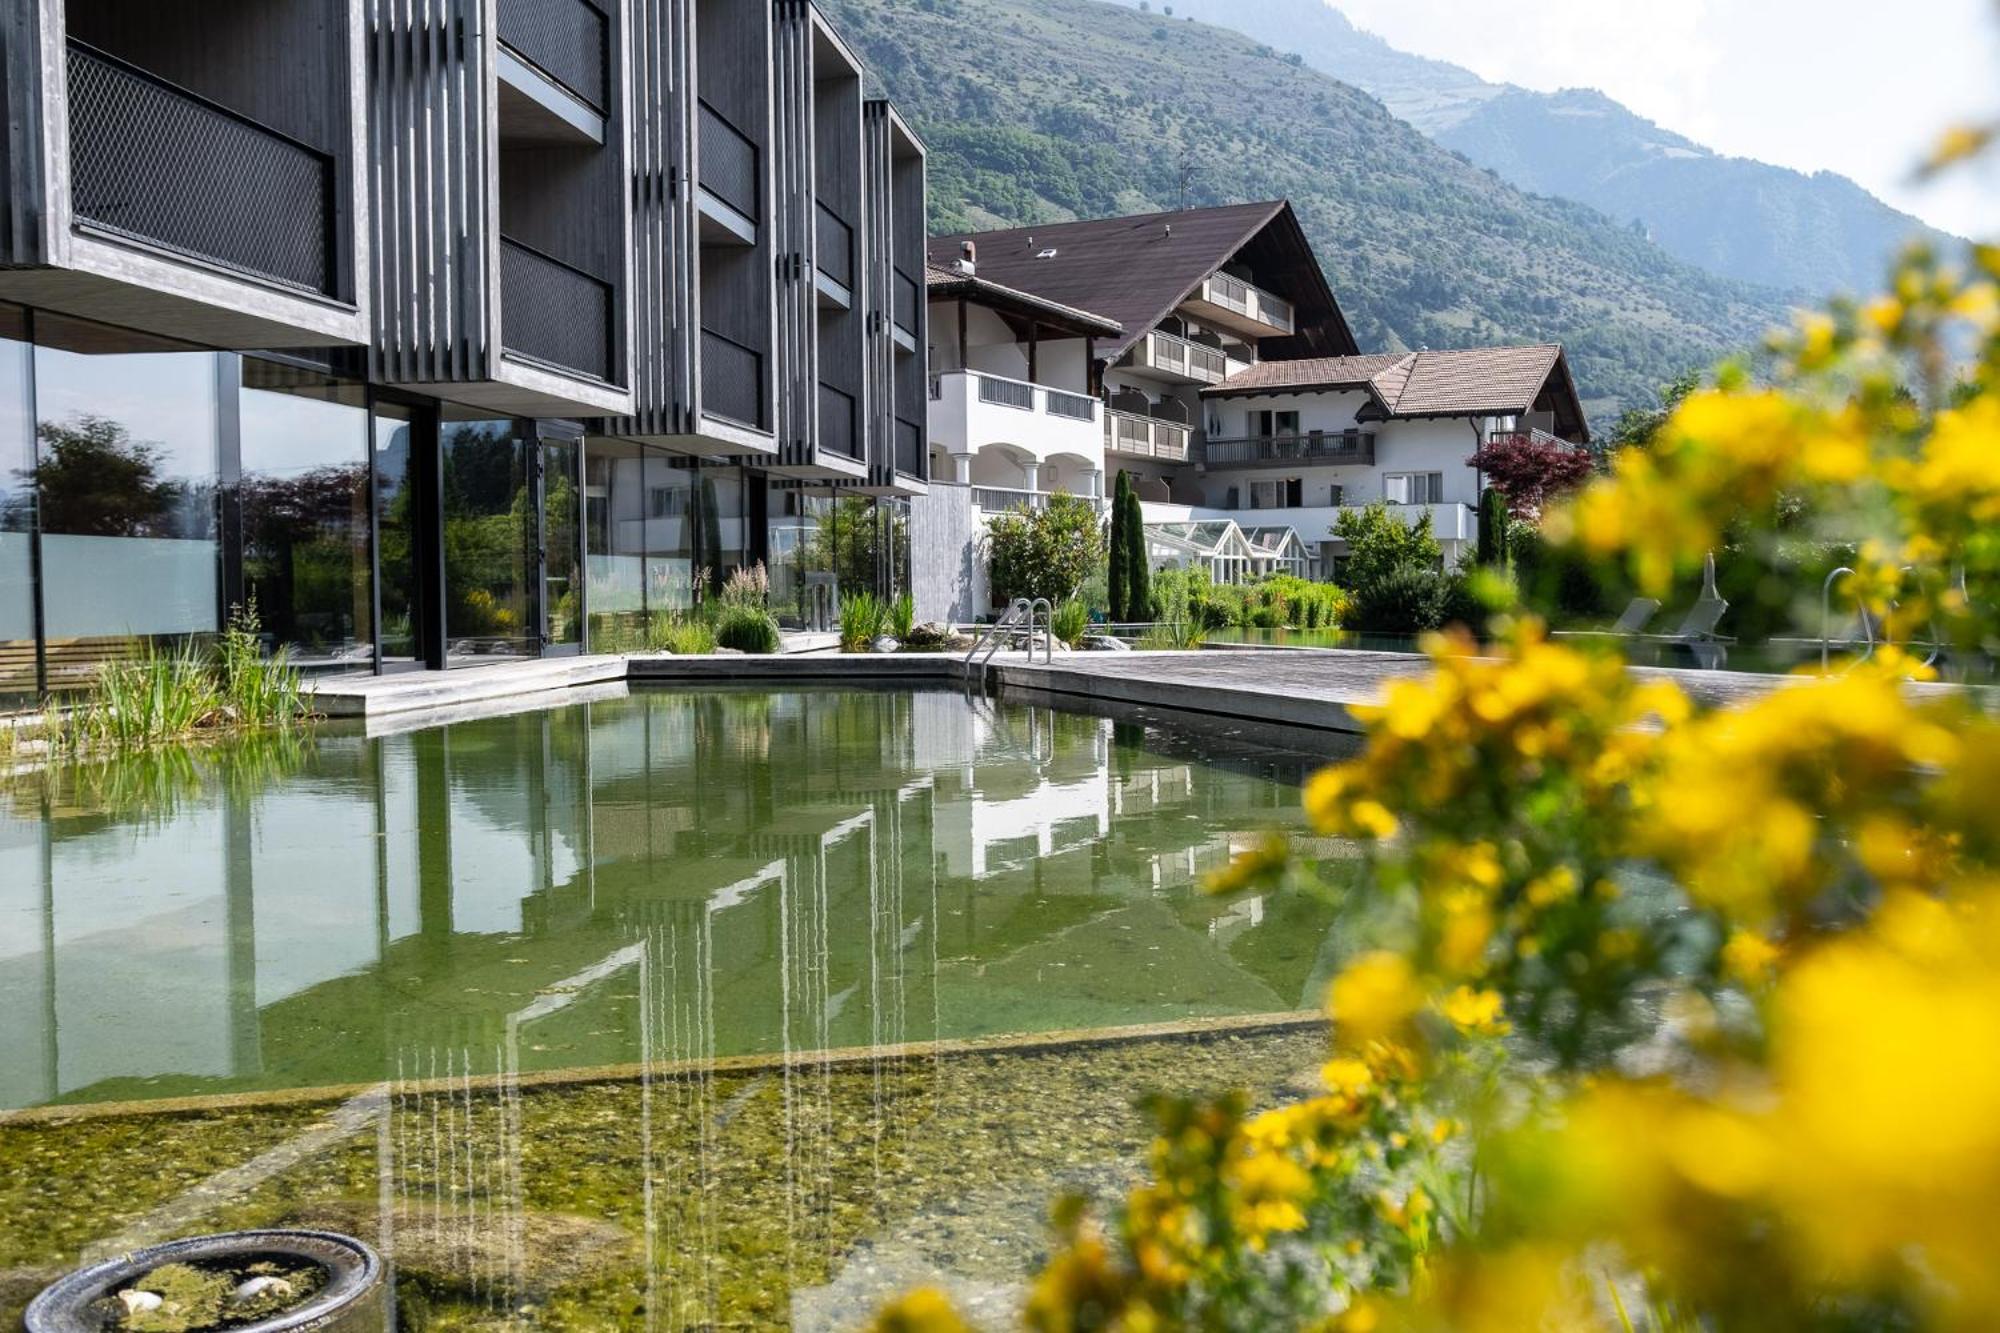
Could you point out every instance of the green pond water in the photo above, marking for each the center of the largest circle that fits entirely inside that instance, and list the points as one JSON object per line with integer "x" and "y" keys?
{"x": 389, "y": 959}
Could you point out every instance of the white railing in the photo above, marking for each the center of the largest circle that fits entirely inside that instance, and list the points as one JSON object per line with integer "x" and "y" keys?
{"x": 1000, "y": 391}
{"x": 1146, "y": 437}
{"x": 1001, "y": 499}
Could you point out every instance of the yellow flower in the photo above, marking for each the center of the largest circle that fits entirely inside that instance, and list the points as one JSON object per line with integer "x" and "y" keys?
{"x": 1748, "y": 957}
{"x": 1478, "y": 1013}
{"x": 925, "y": 1310}
{"x": 1374, "y": 997}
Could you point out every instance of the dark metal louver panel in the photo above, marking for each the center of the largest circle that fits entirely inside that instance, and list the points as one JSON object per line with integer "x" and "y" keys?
{"x": 554, "y": 312}
{"x": 836, "y": 247}
{"x": 732, "y": 380}
{"x": 568, "y": 40}
{"x": 839, "y": 432}
{"x": 910, "y": 458}
{"x": 729, "y": 164}
{"x": 907, "y": 302}
{"x": 160, "y": 164}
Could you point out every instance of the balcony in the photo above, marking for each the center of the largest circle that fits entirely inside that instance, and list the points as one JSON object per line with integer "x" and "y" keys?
{"x": 555, "y": 313}
{"x": 566, "y": 40}
{"x": 1241, "y": 307}
{"x": 1138, "y": 436}
{"x": 1164, "y": 356}
{"x": 153, "y": 162}
{"x": 1337, "y": 449}
{"x": 970, "y": 410}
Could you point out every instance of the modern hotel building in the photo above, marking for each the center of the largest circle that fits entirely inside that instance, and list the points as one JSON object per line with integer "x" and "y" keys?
{"x": 445, "y": 330}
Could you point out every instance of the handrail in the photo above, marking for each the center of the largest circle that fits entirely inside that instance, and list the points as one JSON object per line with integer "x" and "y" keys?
{"x": 1826, "y": 621}
{"x": 990, "y": 635}
{"x": 1049, "y": 626}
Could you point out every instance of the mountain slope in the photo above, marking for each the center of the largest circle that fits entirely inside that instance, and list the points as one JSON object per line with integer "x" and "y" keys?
{"x": 1037, "y": 110}
{"x": 1733, "y": 216}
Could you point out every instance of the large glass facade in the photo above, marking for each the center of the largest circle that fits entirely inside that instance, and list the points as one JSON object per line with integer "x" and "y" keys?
{"x": 489, "y": 548}
{"x": 304, "y": 497}
{"x": 18, "y": 679}
{"x": 127, "y": 479}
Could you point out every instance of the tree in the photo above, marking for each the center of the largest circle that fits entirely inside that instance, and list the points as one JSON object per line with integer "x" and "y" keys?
{"x": 1138, "y": 569}
{"x": 1493, "y": 520}
{"x": 1045, "y": 552}
{"x": 1636, "y": 426}
{"x": 95, "y": 480}
{"x": 1117, "y": 576}
{"x": 1530, "y": 471}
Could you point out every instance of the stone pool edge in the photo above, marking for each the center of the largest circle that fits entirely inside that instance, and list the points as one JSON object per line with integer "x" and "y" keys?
{"x": 843, "y": 1057}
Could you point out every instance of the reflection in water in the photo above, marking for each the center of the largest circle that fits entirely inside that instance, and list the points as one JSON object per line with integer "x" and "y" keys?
{"x": 568, "y": 976}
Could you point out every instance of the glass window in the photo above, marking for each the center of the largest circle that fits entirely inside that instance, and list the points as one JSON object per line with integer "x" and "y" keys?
{"x": 1413, "y": 488}
{"x": 723, "y": 529}
{"x": 489, "y": 527}
{"x": 561, "y": 543}
{"x": 614, "y": 538}
{"x": 396, "y": 522}
{"x": 305, "y": 513}
{"x": 126, "y": 473}
{"x": 17, "y": 509}
{"x": 669, "y": 535}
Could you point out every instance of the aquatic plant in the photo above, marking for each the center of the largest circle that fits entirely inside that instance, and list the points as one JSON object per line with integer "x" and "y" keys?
{"x": 1673, "y": 1010}
{"x": 749, "y": 585}
{"x": 683, "y": 636}
{"x": 862, "y": 617}
{"x": 747, "y": 630}
{"x": 902, "y": 615}
{"x": 1070, "y": 621}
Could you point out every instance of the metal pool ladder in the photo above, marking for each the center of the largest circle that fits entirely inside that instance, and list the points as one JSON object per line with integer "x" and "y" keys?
{"x": 1020, "y": 615}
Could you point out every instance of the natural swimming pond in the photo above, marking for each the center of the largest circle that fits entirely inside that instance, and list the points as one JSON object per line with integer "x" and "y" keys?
{"x": 541, "y": 1002}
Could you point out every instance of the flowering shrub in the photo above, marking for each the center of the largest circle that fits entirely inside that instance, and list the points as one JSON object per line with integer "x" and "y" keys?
{"x": 1673, "y": 1018}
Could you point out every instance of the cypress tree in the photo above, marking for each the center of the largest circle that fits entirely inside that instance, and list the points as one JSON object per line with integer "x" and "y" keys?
{"x": 1138, "y": 571}
{"x": 1120, "y": 597}
{"x": 1493, "y": 518}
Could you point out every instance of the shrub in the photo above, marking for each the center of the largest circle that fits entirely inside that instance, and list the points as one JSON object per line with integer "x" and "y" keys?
{"x": 1118, "y": 580}
{"x": 747, "y": 630}
{"x": 1408, "y": 599}
{"x": 1378, "y": 542}
{"x": 862, "y": 617}
{"x": 1070, "y": 622}
{"x": 1046, "y": 552}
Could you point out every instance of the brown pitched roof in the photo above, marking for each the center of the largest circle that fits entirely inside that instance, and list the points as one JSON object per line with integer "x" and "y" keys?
{"x": 1470, "y": 381}
{"x": 947, "y": 284}
{"x": 1136, "y": 270}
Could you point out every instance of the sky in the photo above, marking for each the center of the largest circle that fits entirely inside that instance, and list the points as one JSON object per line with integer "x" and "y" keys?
{"x": 1861, "y": 87}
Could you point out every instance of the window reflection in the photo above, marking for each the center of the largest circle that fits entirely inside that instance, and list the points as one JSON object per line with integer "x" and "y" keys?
{"x": 395, "y": 516}
{"x": 305, "y": 513}
{"x": 126, "y": 471}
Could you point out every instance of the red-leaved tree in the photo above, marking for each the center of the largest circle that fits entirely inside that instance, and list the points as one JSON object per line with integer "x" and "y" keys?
{"x": 1530, "y": 471}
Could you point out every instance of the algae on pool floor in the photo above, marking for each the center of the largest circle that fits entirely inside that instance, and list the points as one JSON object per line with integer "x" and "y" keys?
{"x": 797, "y": 1196}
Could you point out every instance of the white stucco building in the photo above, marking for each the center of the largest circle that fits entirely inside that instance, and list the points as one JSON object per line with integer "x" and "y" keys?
{"x": 1202, "y": 354}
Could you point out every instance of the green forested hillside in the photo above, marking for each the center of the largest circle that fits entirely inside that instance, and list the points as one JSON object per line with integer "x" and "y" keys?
{"x": 1040, "y": 110}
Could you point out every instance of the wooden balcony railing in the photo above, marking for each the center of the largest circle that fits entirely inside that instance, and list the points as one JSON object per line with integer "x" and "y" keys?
{"x": 1329, "y": 448}
{"x": 1146, "y": 437}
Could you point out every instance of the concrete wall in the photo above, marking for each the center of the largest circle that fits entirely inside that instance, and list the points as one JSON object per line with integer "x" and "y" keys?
{"x": 949, "y": 581}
